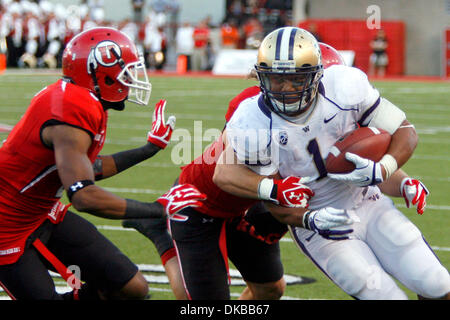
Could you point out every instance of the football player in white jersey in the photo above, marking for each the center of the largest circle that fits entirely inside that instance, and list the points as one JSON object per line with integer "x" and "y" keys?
{"x": 350, "y": 230}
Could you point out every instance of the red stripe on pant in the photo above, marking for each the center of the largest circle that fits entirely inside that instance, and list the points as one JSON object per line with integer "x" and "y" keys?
{"x": 65, "y": 273}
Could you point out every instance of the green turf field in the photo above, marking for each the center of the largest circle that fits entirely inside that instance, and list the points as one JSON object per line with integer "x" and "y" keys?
{"x": 205, "y": 99}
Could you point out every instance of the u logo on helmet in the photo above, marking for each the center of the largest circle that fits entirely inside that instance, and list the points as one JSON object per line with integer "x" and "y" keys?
{"x": 103, "y": 53}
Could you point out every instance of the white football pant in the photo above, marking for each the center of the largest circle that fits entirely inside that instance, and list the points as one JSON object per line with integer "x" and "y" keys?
{"x": 384, "y": 244}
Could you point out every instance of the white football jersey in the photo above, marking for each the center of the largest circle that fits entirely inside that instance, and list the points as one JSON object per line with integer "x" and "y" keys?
{"x": 268, "y": 143}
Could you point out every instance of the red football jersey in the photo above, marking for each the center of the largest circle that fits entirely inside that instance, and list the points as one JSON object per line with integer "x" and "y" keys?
{"x": 30, "y": 187}
{"x": 200, "y": 173}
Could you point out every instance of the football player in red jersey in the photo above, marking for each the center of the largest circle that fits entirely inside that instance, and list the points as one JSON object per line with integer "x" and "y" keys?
{"x": 54, "y": 147}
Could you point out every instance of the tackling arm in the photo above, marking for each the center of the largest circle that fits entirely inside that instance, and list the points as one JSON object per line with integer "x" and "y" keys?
{"x": 288, "y": 198}
{"x": 237, "y": 179}
{"x": 289, "y": 216}
{"x": 234, "y": 177}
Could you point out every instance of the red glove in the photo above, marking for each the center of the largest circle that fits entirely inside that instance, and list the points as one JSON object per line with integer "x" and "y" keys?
{"x": 161, "y": 132}
{"x": 414, "y": 192}
{"x": 288, "y": 192}
{"x": 180, "y": 197}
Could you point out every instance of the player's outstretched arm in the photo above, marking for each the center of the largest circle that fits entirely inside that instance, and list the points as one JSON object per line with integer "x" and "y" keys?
{"x": 110, "y": 165}
{"x": 157, "y": 139}
{"x": 75, "y": 170}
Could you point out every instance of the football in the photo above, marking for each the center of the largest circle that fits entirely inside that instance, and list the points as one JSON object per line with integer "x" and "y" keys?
{"x": 367, "y": 142}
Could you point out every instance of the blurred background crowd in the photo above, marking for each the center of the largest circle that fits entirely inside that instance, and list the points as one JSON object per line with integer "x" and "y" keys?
{"x": 33, "y": 34}
{"x": 381, "y": 36}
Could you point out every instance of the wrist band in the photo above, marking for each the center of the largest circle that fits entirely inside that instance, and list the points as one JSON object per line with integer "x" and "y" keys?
{"x": 305, "y": 219}
{"x": 77, "y": 186}
{"x": 265, "y": 188}
{"x": 390, "y": 165}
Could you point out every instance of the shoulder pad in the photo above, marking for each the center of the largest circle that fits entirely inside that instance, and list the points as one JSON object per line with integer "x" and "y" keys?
{"x": 249, "y": 132}
{"x": 79, "y": 108}
{"x": 347, "y": 86}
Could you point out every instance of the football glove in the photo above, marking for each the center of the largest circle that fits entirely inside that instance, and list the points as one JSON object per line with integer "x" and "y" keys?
{"x": 287, "y": 192}
{"x": 161, "y": 131}
{"x": 328, "y": 222}
{"x": 366, "y": 173}
{"x": 414, "y": 192}
{"x": 180, "y": 197}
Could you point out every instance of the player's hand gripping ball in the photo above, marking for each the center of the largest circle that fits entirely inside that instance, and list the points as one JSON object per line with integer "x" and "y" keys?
{"x": 366, "y": 142}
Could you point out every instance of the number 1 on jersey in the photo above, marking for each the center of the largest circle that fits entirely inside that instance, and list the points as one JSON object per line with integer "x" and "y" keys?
{"x": 313, "y": 149}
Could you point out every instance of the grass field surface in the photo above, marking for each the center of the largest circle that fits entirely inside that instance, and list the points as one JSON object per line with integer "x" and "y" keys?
{"x": 203, "y": 101}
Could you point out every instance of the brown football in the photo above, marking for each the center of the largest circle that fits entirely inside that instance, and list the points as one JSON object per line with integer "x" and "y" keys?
{"x": 367, "y": 142}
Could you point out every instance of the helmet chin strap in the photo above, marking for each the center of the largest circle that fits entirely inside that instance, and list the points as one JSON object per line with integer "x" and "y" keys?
{"x": 118, "y": 106}
{"x": 294, "y": 118}
{"x": 94, "y": 79}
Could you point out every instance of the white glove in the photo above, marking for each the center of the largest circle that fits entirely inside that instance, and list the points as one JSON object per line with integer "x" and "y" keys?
{"x": 327, "y": 222}
{"x": 414, "y": 192}
{"x": 366, "y": 173}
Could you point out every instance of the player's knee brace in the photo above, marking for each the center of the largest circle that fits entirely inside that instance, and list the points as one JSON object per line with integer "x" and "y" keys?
{"x": 435, "y": 282}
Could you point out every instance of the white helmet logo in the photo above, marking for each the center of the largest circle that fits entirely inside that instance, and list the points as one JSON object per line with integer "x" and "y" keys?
{"x": 104, "y": 55}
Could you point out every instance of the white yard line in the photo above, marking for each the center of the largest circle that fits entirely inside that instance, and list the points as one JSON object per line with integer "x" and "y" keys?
{"x": 284, "y": 239}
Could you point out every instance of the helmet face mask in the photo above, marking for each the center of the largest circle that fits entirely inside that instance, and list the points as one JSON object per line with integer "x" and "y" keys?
{"x": 139, "y": 91}
{"x": 289, "y": 70}
{"x": 289, "y": 92}
{"x": 106, "y": 62}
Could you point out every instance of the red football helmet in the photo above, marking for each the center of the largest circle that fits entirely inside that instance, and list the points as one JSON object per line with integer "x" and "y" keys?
{"x": 330, "y": 55}
{"x": 106, "y": 61}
